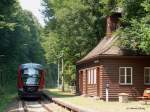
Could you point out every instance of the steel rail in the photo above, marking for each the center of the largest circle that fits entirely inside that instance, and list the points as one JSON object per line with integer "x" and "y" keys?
{"x": 64, "y": 105}
{"x": 24, "y": 106}
{"x": 44, "y": 106}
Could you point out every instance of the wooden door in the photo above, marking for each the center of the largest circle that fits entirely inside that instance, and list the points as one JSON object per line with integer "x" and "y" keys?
{"x": 98, "y": 82}
{"x": 81, "y": 82}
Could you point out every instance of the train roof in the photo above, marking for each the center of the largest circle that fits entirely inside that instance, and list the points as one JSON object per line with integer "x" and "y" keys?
{"x": 31, "y": 65}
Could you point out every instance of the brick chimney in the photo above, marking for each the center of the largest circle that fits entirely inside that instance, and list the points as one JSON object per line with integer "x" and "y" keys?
{"x": 112, "y": 23}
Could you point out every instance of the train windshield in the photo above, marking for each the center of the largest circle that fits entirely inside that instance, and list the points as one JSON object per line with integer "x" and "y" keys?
{"x": 31, "y": 76}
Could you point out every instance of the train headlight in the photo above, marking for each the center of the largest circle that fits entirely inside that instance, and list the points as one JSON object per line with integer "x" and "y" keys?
{"x": 20, "y": 89}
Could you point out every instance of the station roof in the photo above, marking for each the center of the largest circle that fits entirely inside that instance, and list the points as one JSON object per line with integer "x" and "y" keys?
{"x": 108, "y": 47}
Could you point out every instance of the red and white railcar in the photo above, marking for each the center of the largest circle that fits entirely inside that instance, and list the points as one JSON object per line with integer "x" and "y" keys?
{"x": 31, "y": 80}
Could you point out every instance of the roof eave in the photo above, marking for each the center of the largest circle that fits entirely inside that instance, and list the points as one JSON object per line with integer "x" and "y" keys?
{"x": 112, "y": 56}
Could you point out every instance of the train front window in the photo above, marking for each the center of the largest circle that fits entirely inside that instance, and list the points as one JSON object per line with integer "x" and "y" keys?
{"x": 31, "y": 76}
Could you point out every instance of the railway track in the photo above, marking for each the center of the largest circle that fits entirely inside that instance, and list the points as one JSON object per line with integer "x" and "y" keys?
{"x": 42, "y": 105}
{"x": 47, "y": 104}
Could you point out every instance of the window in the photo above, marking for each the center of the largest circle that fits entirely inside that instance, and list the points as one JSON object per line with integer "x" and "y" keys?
{"x": 30, "y": 76}
{"x": 91, "y": 76}
{"x": 125, "y": 75}
{"x": 147, "y": 75}
{"x": 91, "y": 82}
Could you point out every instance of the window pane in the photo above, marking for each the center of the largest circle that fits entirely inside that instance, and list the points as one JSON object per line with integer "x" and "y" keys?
{"x": 146, "y": 71}
{"x": 122, "y": 75}
{"x": 128, "y": 70}
{"x": 88, "y": 76}
{"x": 128, "y": 79}
{"x": 147, "y": 75}
{"x": 30, "y": 76}
{"x": 146, "y": 79}
{"x": 122, "y": 71}
{"x": 122, "y": 79}
{"x": 91, "y": 76}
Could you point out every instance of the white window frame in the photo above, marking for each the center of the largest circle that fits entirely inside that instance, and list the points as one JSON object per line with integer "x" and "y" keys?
{"x": 126, "y": 76}
{"x": 92, "y": 78}
{"x": 144, "y": 76}
{"x": 91, "y": 71}
{"x": 89, "y": 76}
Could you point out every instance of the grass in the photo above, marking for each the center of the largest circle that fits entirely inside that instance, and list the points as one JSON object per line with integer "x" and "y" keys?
{"x": 7, "y": 94}
{"x": 57, "y": 93}
{"x": 99, "y": 105}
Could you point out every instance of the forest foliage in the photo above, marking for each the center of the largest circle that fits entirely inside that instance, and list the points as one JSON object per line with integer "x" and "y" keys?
{"x": 136, "y": 32}
{"x": 19, "y": 40}
{"x": 73, "y": 28}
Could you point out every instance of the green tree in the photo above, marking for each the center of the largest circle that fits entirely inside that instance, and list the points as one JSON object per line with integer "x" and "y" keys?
{"x": 19, "y": 39}
{"x": 73, "y": 27}
{"x": 136, "y": 34}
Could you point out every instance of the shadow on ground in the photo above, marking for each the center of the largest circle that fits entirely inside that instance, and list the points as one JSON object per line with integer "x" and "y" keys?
{"x": 58, "y": 93}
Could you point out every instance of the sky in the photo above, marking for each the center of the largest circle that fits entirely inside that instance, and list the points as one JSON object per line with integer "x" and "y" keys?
{"x": 34, "y": 6}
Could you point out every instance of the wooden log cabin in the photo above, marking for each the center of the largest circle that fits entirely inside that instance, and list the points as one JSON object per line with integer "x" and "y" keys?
{"x": 123, "y": 70}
